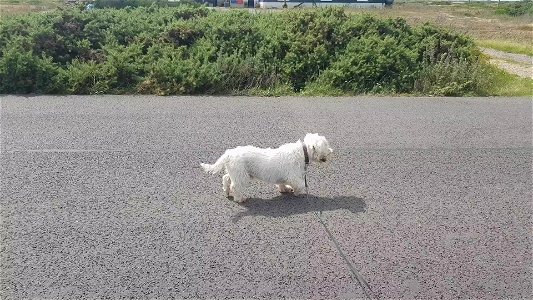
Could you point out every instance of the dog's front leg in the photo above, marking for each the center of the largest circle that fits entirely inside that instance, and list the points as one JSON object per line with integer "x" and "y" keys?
{"x": 238, "y": 195}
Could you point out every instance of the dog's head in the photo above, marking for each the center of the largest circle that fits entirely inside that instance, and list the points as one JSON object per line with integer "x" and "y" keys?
{"x": 318, "y": 147}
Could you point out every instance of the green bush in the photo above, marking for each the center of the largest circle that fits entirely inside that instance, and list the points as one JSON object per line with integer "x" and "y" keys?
{"x": 193, "y": 50}
{"x": 88, "y": 78}
{"x": 524, "y": 7}
{"x": 373, "y": 64}
{"x": 237, "y": 74}
{"x": 173, "y": 72}
{"x": 120, "y": 72}
{"x": 23, "y": 72}
{"x": 452, "y": 77}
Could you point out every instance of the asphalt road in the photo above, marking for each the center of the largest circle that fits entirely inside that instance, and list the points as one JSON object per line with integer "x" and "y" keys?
{"x": 425, "y": 198}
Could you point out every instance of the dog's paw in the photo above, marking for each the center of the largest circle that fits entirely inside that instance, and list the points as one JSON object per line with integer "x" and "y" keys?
{"x": 240, "y": 200}
{"x": 285, "y": 189}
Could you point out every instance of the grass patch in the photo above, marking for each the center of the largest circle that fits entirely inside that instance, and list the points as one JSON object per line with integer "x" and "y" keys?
{"x": 507, "y": 46}
{"x": 505, "y": 84}
{"x": 19, "y": 7}
{"x": 277, "y": 90}
{"x": 478, "y": 20}
{"x": 33, "y": 2}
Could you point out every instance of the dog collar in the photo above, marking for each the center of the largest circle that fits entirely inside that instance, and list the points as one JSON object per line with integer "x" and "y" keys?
{"x": 306, "y": 156}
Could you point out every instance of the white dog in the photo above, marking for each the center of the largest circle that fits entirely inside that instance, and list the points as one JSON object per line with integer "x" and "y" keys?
{"x": 284, "y": 166}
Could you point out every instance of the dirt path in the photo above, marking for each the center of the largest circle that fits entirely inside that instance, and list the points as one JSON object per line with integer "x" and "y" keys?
{"x": 519, "y": 64}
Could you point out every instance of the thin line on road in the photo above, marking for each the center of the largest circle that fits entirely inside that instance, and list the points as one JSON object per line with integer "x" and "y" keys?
{"x": 99, "y": 151}
{"x": 70, "y": 150}
{"x": 358, "y": 278}
{"x": 65, "y": 150}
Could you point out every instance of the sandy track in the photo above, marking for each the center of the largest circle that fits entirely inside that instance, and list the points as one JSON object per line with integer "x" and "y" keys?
{"x": 518, "y": 64}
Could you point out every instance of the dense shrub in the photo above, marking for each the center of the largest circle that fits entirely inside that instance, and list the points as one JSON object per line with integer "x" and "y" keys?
{"x": 452, "y": 77}
{"x": 520, "y": 8}
{"x": 23, "y": 72}
{"x": 373, "y": 64}
{"x": 192, "y": 50}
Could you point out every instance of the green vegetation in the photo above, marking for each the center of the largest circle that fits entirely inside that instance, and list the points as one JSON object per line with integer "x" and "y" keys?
{"x": 192, "y": 50}
{"x": 505, "y": 84}
{"x": 524, "y": 7}
{"x": 507, "y": 46}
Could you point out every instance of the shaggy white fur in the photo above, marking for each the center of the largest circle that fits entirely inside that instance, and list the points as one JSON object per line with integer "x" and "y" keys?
{"x": 284, "y": 166}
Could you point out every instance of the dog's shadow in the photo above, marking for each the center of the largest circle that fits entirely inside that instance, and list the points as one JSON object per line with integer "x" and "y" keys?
{"x": 288, "y": 205}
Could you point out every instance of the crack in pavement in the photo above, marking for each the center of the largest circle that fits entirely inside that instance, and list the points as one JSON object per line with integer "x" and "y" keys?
{"x": 356, "y": 276}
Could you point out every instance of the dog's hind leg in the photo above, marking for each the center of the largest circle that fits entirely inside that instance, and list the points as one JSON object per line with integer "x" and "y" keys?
{"x": 226, "y": 183}
{"x": 239, "y": 179}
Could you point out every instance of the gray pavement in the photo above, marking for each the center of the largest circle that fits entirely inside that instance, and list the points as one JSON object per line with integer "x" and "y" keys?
{"x": 103, "y": 197}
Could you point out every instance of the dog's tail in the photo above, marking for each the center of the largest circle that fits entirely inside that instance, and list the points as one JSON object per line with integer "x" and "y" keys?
{"x": 216, "y": 167}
